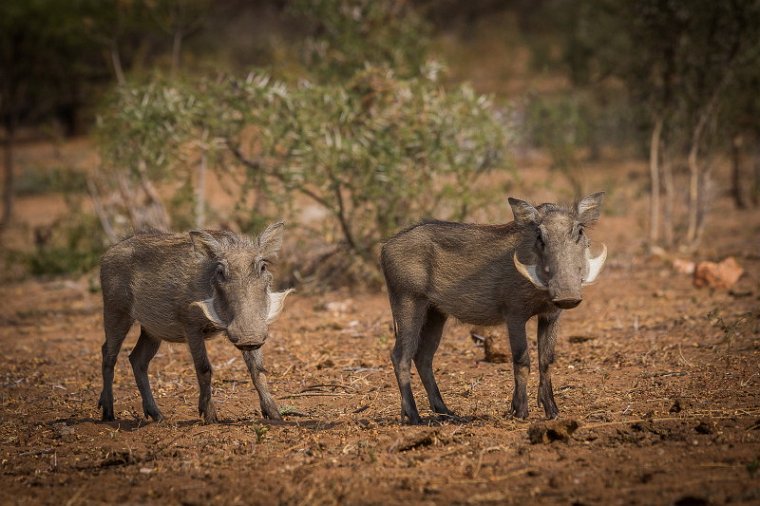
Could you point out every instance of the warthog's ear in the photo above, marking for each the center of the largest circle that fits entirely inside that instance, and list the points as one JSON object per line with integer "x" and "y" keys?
{"x": 276, "y": 303}
{"x": 205, "y": 244}
{"x": 588, "y": 209}
{"x": 525, "y": 214}
{"x": 270, "y": 240}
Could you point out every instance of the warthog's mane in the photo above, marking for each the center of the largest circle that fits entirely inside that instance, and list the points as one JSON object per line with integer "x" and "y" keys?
{"x": 231, "y": 240}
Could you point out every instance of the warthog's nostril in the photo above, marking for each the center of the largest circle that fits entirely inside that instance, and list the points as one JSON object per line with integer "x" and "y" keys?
{"x": 566, "y": 303}
{"x": 233, "y": 339}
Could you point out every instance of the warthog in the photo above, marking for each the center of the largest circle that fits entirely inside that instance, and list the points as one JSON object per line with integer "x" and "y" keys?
{"x": 486, "y": 275}
{"x": 189, "y": 288}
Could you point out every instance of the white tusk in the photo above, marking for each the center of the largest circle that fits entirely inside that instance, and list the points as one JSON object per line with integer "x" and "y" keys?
{"x": 207, "y": 306}
{"x": 529, "y": 271}
{"x": 276, "y": 303}
{"x": 594, "y": 265}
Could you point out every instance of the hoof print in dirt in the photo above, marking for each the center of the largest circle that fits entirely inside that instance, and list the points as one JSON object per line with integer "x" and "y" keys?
{"x": 548, "y": 432}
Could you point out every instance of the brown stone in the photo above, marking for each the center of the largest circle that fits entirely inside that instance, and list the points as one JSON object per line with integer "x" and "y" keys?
{"x": 721, "y": 275}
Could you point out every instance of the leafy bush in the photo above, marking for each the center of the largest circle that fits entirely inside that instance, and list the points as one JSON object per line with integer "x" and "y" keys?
{"x": 377, "y": 153}
{"x": 35, "y": 181}
{"x": 368, "y": 133}
{"x": 350, "y": 34}
{"x": 72, "y": 246}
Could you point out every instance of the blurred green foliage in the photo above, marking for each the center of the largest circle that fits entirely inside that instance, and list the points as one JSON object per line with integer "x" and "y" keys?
{"x": 71, "y": 246}
{"x": 40, "y": 180}
{"x": 377, "y": 152}
{"x": 347, "y": 108}
{"x": 370, "y": 132}
{"x": 349, "y": 34}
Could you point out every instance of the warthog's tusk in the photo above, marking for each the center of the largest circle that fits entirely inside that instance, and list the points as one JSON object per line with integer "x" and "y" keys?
{"x": 276, "y": 303}
{"x": 207, "y": 306}
{"x": 529, "y": 271}
{"x": 594, "y": 265}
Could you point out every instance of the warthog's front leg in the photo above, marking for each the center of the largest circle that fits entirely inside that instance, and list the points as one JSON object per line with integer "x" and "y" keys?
{"x": 254, "y": 359}
{"x": 547, "y": 337}
{"x": 206, "y": 406}
{"x": 521, "y": 363}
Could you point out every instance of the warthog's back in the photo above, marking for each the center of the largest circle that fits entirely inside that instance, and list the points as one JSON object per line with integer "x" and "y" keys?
{"x": 465, "y": 270}
{"x": 156, "y": 276}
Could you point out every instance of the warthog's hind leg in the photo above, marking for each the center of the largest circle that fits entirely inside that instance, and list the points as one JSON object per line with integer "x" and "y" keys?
{"x": 146, "y": 348}
{"x": 409, "y": 315}
{"x": 430, "y": 338}
{"x": 116, "y": 327}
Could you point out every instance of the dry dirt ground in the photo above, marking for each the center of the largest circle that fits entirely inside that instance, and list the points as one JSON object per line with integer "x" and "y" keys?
{"x": 661, "y": 378}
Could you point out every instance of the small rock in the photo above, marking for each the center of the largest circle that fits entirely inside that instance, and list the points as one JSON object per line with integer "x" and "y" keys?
{"x": 676, "y": 407}
{"x": 691, "y": 500}
{"x": 326, "y": 364}
{"x": 338, "y": 307}
{"x": 488, "y": 339}
{"x": 580, "y": 339}
{"x": 412, "y": 441}
{"x": 721, "y": 275}
{"x": 684, "y": 266}
{"x": 548, "y": 432}
{"x": 705, "y": 427}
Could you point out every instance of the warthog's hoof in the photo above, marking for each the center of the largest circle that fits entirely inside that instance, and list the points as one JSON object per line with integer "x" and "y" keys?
{"x": 519, "y": 411}
{"x": 107, "y": 411}
{"x": 155, "y": 414}
{"x": 271, "y": 414}
{"x": 411, "y": 420}
{"x": 209, "y": 414}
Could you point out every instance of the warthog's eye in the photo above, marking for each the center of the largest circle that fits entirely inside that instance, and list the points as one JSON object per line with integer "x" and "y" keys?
{"x": 260, "y": 267}
{"x": 540, "y": 242}
{"x": 221, "y": 275}
{"x": 580, "y": 234}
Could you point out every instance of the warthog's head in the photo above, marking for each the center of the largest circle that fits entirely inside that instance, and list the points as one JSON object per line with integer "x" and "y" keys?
{"x": 242, "y": 303}
{"x": 561, "y": 262}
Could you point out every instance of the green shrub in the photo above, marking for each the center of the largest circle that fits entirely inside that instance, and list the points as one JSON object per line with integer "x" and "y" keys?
{"x": 74, "y": 246}
{"x": 377, "y": 153}
{"x": 37, "y": 180}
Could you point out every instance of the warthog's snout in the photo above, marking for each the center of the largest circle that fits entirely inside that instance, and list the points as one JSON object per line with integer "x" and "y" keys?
{"x": 566, "y": 303}
{"x": 252, "y": 342}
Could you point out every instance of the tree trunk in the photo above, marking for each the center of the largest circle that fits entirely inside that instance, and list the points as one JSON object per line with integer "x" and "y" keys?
{"x": 705, "y": 181}
{"x": 176, "y": 48}
{"x": 736, "y": 171}
{"x": 667, "y": 215}
{"x": 691, "y": 233}
{"x": 8, "y": 176}
{"x": 654, "y": 174}
{"x": 697, "y": 208}
{"x": 756, "y": 182}
{"x": 200, "y": 193}
{"x": 100, "y": 211}
{"x": 116, "y": 62}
